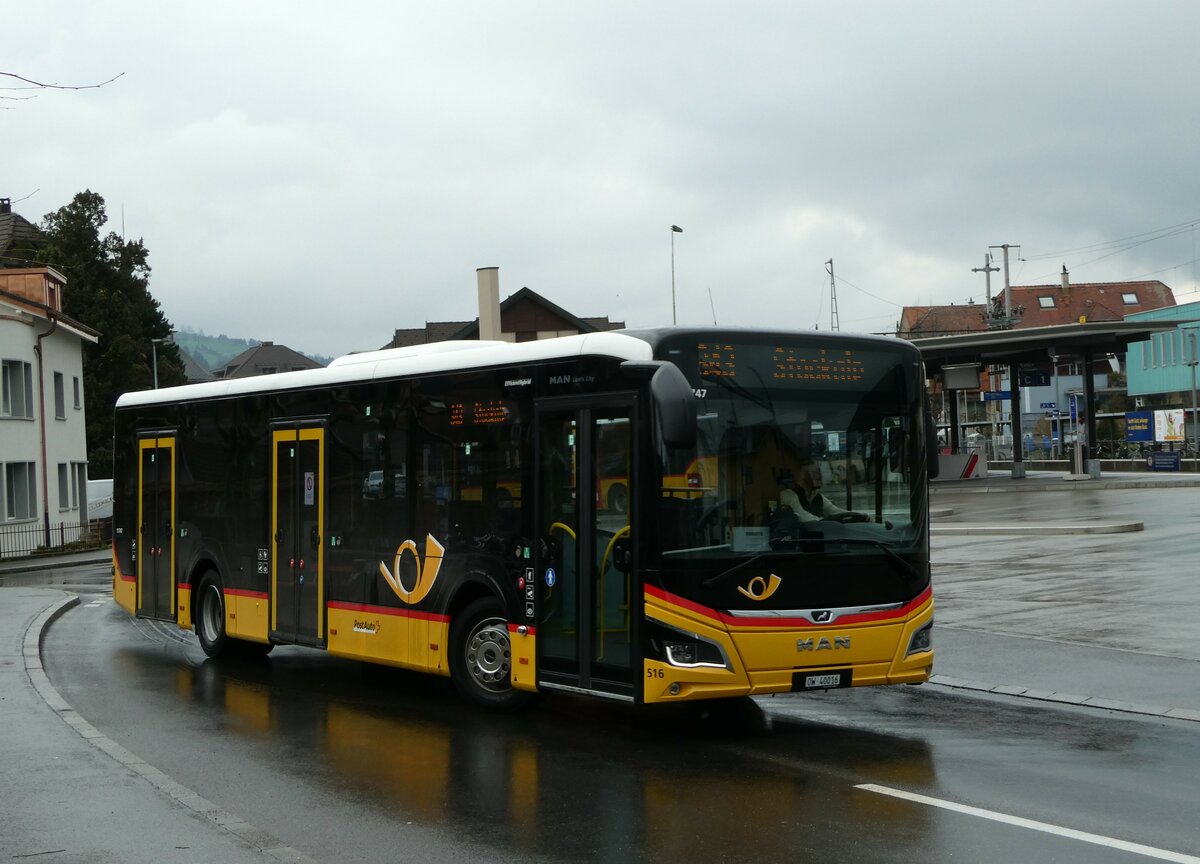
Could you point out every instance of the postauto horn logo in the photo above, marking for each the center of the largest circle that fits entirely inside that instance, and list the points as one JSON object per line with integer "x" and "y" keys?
{"x": 427, "y": 571}
{"x": 759, "y": 588}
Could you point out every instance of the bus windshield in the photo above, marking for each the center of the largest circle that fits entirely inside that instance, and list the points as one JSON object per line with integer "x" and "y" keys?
{"x": 798, "y": 445}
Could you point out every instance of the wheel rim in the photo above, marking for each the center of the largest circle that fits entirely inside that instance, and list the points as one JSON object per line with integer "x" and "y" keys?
{"x": 489, "y": 655}
{"x": 212, "y": 613}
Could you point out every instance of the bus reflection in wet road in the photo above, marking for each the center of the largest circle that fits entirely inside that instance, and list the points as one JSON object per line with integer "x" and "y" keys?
{"x": 571, "y": 779}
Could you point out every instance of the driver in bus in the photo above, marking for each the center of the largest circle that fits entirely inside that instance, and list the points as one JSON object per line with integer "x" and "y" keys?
{"x": 807, "y": 502}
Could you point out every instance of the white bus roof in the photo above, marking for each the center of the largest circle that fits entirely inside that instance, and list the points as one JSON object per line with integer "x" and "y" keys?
{"x": 402, "y": 362}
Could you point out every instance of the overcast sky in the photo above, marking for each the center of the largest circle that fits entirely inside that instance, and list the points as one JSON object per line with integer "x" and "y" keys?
{"x": 319, "y": 174}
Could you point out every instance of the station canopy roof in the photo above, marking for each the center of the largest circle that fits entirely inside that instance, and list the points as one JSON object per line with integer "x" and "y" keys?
{"x": 1036, "y": 344}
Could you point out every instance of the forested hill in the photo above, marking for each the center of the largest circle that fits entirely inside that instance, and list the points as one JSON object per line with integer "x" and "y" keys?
{"x": 213, "y": 352}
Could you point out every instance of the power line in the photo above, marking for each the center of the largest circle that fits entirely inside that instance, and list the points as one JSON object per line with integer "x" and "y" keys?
{"x": 1122, "y": 243}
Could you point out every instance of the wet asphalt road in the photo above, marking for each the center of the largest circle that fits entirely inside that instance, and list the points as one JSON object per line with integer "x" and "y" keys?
{"x": 347, "y": 762}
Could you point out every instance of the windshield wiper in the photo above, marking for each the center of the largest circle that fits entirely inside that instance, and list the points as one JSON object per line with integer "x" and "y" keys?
{"x": 902, "y": 565}
{"x": 792, "y": 543}
{"x": 733, "y": 571}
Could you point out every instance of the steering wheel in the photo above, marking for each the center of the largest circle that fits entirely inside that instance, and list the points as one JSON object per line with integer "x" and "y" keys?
{"x": 848, "y": 516}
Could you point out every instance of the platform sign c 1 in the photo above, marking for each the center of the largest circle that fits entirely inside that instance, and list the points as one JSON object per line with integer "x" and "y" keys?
{"x": 1139, "y": 426}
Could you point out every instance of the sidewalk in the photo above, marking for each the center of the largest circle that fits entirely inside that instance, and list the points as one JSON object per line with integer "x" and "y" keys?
{"x": 1056, "y": 481}
{"x": 54, "y": 562}
{"x": 70, "y": 791}
{"x": 1067, "y": 674}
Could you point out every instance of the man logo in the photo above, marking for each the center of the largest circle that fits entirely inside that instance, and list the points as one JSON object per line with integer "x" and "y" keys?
{"x": 759, "y": 588}
{"x": 822, "y": 616}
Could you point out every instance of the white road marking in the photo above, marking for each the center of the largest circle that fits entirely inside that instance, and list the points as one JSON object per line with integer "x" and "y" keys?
{"x": 1032, "y": 825}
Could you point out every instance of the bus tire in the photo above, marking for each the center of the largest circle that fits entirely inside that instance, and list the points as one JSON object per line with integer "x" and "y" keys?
{"x": 481, "y": 659}
{"x": 210, "y": 614}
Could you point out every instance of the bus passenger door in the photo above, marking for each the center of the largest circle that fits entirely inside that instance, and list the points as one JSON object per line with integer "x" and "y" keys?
{"x": 156, "y": 521}
{"x": 584, "y": 571}
{"x": 297, "y": 531}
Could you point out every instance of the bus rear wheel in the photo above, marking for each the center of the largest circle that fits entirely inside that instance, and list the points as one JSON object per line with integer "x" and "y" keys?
{"x": 481, "y": 663}
{"x": 210, "y": 614}
{"x": 209, "y": 621}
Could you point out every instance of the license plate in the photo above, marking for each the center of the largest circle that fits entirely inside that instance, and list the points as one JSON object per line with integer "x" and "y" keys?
{"x": 828, "y": 680}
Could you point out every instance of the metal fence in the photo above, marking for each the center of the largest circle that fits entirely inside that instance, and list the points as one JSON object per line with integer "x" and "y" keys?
{"x": 18, "y": 541}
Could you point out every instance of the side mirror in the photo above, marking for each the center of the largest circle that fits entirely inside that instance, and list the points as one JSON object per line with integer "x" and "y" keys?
{"x": 932, "y": 461}
{"x": 673, "y": 399}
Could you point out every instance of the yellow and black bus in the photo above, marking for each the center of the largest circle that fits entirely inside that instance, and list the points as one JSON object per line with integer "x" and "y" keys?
{"x": 609, "y": 514}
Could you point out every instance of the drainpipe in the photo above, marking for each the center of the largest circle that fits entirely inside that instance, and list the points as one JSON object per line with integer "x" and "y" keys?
{"x": 42, "y": 416}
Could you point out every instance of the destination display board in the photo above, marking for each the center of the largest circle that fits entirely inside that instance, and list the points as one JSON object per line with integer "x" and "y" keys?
{"x": 484, "y": 412}
{"x": 765, "y": 365}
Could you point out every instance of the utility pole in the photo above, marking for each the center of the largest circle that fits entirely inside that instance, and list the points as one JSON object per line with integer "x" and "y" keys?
{"x": 987, "y": 270}
{"x": 834, "y": 324}
{"x": 1007, "y": 286}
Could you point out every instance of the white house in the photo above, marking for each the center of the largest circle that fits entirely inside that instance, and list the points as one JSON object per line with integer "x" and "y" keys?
{"x": 43, "y": 440}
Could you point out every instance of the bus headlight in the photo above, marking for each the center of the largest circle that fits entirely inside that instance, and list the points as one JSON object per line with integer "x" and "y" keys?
{"x": 686, "y": 650}
{"x": 922, "y": 640}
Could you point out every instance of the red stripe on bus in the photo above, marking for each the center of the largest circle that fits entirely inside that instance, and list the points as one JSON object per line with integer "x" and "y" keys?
{"x": 387, "y": 610}
{"x": 530, "y": 631}
{"x": 791, "y": 623}
{"x": 125, "y": 577}
{"x": 242, "y": 592}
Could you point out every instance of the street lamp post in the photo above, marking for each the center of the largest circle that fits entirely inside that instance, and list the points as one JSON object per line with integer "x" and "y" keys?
{"x": 154, "y": 343}
{"x": 1195, "y": 419}
{"x": 675, "y": 229}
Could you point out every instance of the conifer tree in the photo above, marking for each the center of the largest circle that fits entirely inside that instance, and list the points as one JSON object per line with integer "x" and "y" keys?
{"x": 108, "y": 290}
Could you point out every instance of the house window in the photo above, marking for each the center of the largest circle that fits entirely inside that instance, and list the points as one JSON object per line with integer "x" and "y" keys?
{"x": 60, "y": 399}
{"x": 64, "y": 487}
{"x": 1046, "y": 302}
{"x": 78, "y": 400}
{"x": 1129, "y": 298}
{"x": 16, "y": 389}
{"x": 20, "y": 490}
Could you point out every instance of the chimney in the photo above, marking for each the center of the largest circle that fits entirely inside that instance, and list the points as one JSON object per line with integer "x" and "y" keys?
{"x": 5, "y": 206}
{"x": 489, "y": 302}
{"x": 1066, "y": 280}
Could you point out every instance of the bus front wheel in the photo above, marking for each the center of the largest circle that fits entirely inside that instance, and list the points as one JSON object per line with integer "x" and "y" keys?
{"x": 481, "y": 665}
{"x": 210, "y": 614}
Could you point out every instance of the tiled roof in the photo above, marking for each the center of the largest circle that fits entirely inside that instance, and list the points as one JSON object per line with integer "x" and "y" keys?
{"x": 433, "y": 331}
{"x": 1041, "y": 306}
{"x": 265, "y": 359}
{"x": 17, "y": 233}
{"x": 192, "y": 370}
{"x": 442, "y": 331}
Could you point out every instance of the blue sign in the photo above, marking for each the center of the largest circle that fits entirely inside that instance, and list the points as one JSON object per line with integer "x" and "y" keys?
{"x": 997, "y": 396}
{"x": 1049, "y": 405}
{"x": 1074, "y": 408}
{"x": 1163, "y": 460}
{"x": 1139, "y": 426}
{"x": 551, "y": 577}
